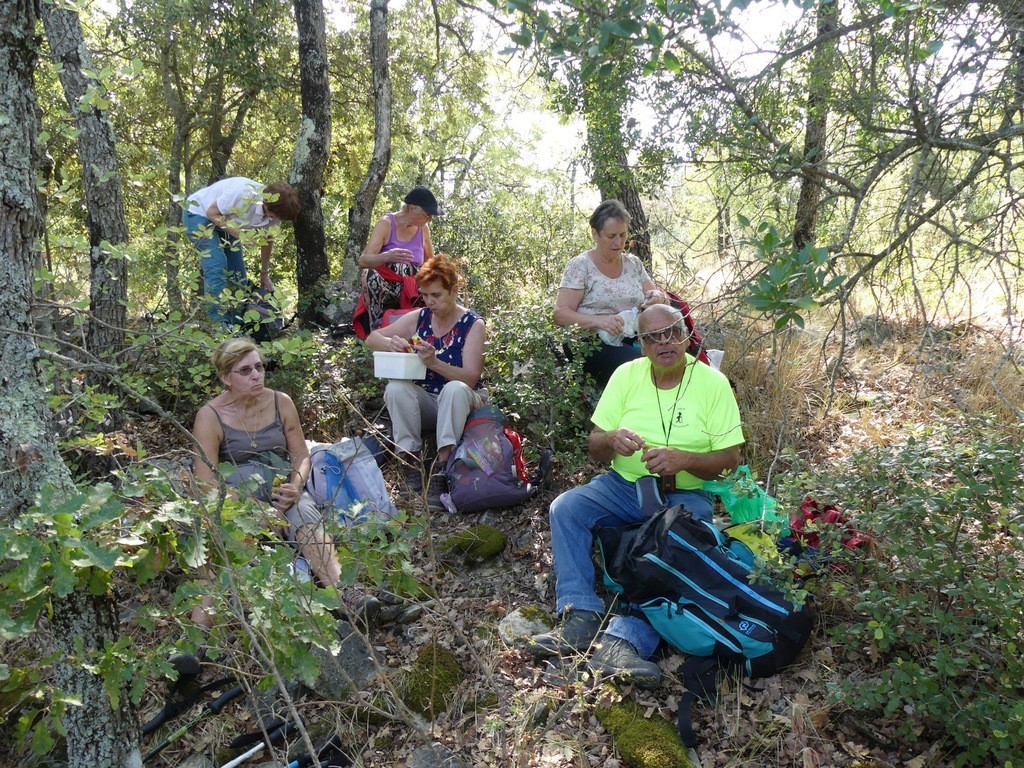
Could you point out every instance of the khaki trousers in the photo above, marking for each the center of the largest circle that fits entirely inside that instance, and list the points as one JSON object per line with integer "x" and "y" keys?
{"x": 413, "y": 409}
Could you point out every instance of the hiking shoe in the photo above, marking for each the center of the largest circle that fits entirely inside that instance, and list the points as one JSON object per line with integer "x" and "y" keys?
{"x": 575, "y": 634}
{"x": 413, "y": 479}
{"x": 366, "y": 612}
{"x": 438, "y": 485}
{"x": 618, "y": 658}
{"x": 186, "y": 665}
{"x": 358, "y": 608}
{"x": 395, "y": 609}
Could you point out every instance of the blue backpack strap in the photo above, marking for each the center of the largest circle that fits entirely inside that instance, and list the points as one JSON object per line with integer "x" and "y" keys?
{"x": 649, "y": 496}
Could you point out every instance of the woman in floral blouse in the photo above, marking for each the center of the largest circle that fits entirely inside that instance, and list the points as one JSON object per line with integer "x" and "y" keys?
{"x": 600, "y": 285}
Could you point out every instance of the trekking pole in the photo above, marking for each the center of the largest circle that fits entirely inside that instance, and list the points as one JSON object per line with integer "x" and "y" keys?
{"x": 211, "y": 708}
{"x": 174, "y": 707}
{"x": 273, "y": 736}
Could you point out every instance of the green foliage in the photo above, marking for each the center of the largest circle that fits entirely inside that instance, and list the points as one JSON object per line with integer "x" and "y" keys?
{"x": 793, "y": 281}
{"x": 938, "y": 606}
{"x": 548, "y": 397}
{"x": 143, "y": 529}
{"x": 57, "y": 546}
{"x": 173, "y": 365}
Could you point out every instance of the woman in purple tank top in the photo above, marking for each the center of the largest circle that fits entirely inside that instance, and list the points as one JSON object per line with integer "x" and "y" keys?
{"x": 401, "y": 243}
{"x": 449, "y": 339}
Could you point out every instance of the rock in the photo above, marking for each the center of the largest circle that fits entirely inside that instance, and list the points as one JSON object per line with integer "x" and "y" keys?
{"x": 643, "y": 742}
{"x": 197, "y": 761}
{"x": 340, "y": 304}
{"x": 268, "y": 705}
{"x": 434, "y": 756}
{"x": 873, "y": 330}
{"x": 474, "y": 545}
{"x": 353, "y": 665}
{"x": 427, "y": 687}
{"x": 523, "y": 622}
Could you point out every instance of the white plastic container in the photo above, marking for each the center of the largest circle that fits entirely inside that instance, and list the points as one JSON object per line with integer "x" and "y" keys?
{"x": 398, "y": 365}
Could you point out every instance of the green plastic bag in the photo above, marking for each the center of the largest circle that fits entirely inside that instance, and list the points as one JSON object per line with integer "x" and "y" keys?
{"x": 745, "y": 500}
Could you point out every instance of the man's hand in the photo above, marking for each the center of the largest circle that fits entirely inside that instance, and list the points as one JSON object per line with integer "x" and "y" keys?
{"x": 625, "y": 442}
{"x": 266, "y": 283}
{"x": 604, "y": 445}
{"x": 664, "y": 461}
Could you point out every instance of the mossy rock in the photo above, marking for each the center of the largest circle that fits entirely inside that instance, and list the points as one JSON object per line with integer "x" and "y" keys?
{"x": 476, "y": 544}
{"x": 534, "y": 612}
{"x": 435, "y": 674}
{"x": 643, "y": 742}
{"x": 482, "y": 702}
{"x": 372, "y": 715}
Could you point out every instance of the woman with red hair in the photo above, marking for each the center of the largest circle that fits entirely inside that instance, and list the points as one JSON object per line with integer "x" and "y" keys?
{"x": 449, "y": 339}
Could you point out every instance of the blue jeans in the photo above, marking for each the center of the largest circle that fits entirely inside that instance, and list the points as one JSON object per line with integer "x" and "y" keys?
{"x": 220, "y": 258}
{"x": 607, "y": 501}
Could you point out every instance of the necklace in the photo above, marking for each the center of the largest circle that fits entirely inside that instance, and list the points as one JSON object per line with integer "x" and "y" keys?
{"x": 667, "y": 432}
{"x": 251, "y": 435}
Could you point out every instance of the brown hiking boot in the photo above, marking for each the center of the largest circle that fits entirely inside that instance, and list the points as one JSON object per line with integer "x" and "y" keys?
{"x": 438, "y": 485}
{"x": 413, "y": 473}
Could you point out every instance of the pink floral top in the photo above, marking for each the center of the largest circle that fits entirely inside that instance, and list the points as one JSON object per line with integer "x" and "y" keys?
{"x": 605, "y": 295}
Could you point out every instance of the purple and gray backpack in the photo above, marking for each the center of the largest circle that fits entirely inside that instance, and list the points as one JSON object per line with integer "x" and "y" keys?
{"x": 486, "y": 469}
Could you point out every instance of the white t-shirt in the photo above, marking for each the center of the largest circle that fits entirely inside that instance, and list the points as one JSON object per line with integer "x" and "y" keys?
{"x": 606, "y": 295}
{"x": 238, "y": 198}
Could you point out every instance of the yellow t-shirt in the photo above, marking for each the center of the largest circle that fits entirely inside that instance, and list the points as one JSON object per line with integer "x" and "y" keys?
{"x": 701, "y": 415}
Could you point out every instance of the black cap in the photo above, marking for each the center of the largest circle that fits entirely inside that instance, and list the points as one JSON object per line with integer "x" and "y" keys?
{"x": 425, "y": 199}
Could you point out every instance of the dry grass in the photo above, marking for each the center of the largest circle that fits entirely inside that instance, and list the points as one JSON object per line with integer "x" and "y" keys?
{"x": 817, "y": 393}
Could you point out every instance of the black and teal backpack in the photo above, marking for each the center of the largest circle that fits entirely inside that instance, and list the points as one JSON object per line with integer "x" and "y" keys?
{"x": 694, "y": 584}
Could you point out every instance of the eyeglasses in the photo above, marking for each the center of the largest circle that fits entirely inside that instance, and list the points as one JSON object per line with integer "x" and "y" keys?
{"x": 675, "y": 332}
{"x": 246, "y": 370}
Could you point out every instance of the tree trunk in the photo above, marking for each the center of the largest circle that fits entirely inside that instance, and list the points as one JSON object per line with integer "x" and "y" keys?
{"x": 182, "y": 120}
{"x": 603, "y": 108}
{"x": 172, "y": 221}
{"x": 723, "y": 220}
{"x": 622, "y": 186}
{"x": 97, "y": 734}
{"x": 1013, "y": 19}
{"x": 222, "y": 144}
{"x": 105, "y": 216}
{"x": 819, "y": 92}
{"x": 84, "y": 625}
{"x": 312, "y": 149}
{"x": 361, "y": 212}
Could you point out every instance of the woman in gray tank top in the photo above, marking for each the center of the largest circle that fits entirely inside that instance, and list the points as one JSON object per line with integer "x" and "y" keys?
{"x": 257, "y": 430}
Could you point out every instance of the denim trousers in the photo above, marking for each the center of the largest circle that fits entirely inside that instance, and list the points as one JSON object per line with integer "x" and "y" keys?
{"x": 607, "y": 501}
{"x": 220, "y": 258}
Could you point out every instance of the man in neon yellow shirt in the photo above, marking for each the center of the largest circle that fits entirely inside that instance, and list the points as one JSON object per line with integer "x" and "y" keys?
{"x": 664, "y": 415}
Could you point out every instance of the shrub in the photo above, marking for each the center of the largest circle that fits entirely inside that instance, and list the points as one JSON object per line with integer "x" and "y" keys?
{"x": 545, "y": 395}
{"x": 530, "y": 377}
{"x": 938, "y": 605}
{"x": 173, "y": 366}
